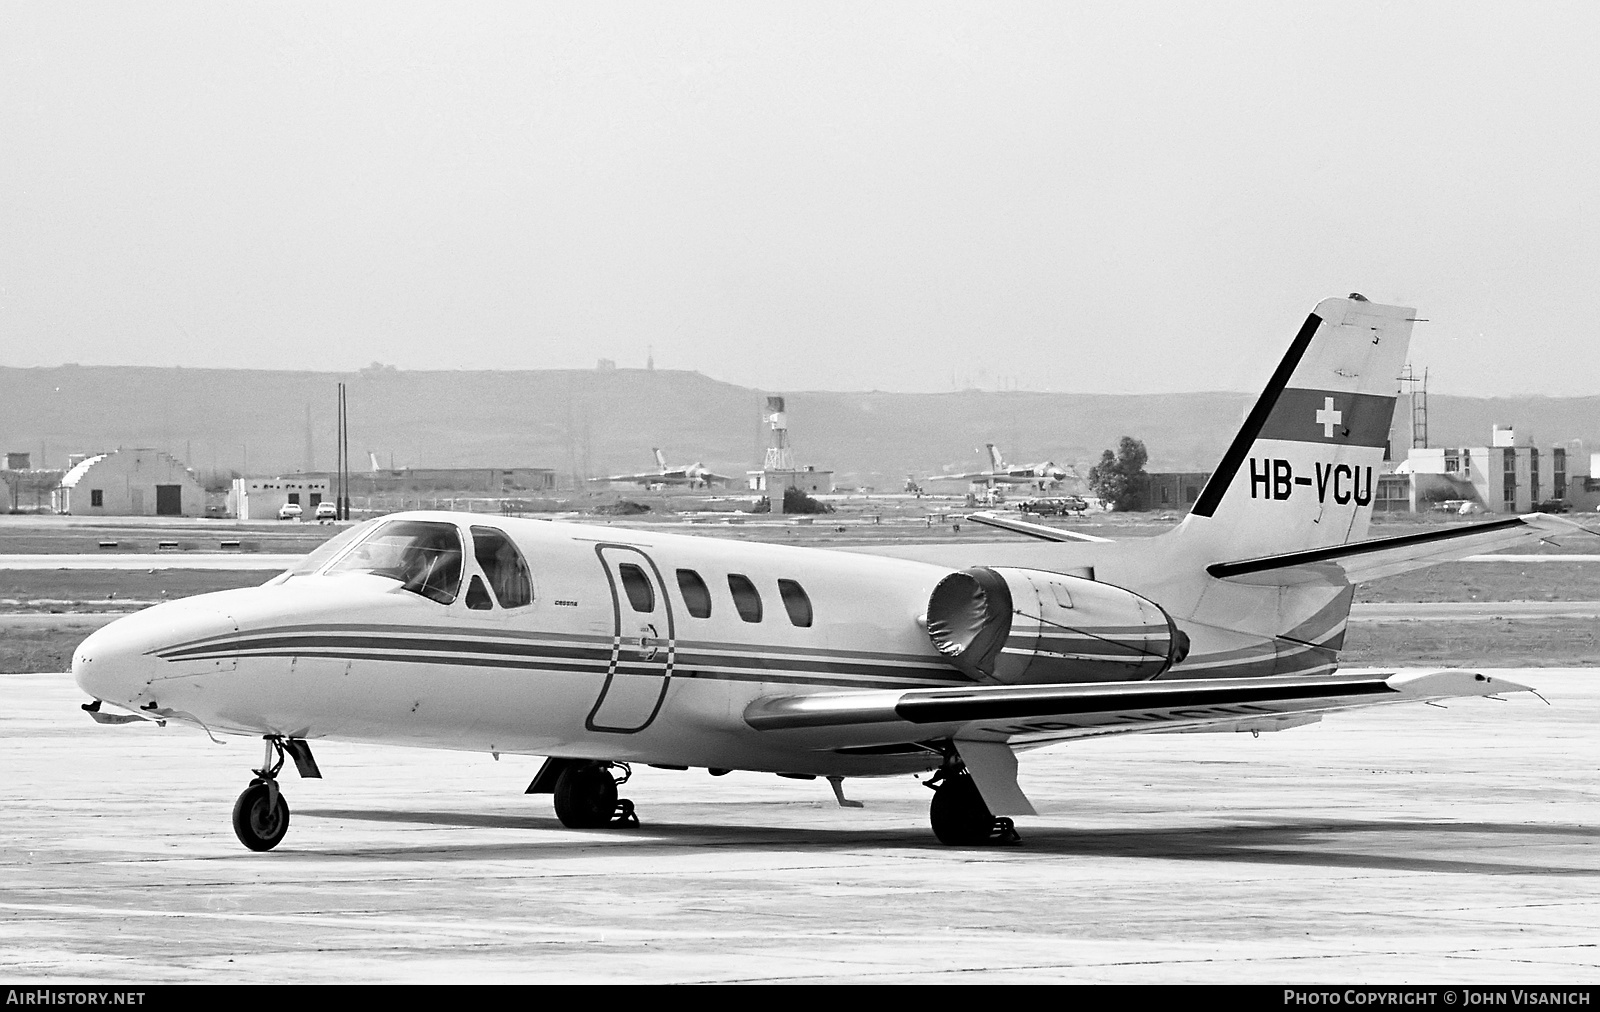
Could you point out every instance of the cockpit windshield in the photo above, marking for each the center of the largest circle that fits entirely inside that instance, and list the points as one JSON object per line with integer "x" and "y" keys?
{"x": 425, "y": 556}
{"x": 330, "y": 548}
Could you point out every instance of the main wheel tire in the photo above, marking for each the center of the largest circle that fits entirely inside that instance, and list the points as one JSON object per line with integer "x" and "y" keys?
{"x": 586, "y": 796}
{"x": 258, "y": 823}
{"x": 959, "y": 816}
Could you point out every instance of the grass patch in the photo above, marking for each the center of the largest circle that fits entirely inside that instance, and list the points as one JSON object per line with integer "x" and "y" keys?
{"x": 25, "y": 651}
{"x": 101, "y": 589}
{"x": 1489, "y": 581}
{"x": 1490, "y": 643}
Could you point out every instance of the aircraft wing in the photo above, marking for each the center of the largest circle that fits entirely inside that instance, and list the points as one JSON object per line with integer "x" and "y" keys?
{"x": 968, "y": 476}
{"x": 653, "y": 478}
{"x": 1372, "y": 560}
{"x": 875, "y": 721}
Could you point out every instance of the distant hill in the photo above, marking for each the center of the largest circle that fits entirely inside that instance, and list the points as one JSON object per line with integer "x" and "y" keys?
{"x": 596, "y": 422}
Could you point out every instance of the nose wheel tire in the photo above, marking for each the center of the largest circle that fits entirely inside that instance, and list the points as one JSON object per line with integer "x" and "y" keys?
{"x": 586, "y": 798}
{"x": 260, "y": 817}
{"x": 961, "y": 819}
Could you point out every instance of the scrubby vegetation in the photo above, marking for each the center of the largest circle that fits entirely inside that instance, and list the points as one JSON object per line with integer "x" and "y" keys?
{"x": 1119, "y": 478}
{"x": 795, "y": 501}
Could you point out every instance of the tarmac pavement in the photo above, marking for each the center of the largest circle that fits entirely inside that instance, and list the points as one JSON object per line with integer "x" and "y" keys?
{"x": 1403, "y": 844}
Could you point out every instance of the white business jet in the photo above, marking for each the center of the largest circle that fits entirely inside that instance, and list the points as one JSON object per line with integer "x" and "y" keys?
{"x": 599, "y": 647}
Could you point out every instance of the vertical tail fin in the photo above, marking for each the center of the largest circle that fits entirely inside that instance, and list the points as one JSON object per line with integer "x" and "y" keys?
{"x": 996, "y": 461}
{"x": 661, "y": 458}
{"x": 1302, "y": 471}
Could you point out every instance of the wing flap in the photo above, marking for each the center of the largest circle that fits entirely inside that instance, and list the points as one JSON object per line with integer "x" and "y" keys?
{"x": 1051, "y": 712}
{"x": 1372, "y": 560}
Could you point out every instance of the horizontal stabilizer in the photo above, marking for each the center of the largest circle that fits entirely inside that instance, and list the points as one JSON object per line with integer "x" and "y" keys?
{"x": 1039, "y": 531}
{"x": 1372, "y": 560}
{"x": 1049, "y": 712}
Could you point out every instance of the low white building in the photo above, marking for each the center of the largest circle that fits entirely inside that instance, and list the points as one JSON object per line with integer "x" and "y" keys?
{"x": 261, "y": 498}
{"x": 130, "y": 483}
{"x": 810, "y": 481}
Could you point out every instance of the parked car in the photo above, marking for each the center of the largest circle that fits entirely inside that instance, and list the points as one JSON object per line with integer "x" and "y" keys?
{"x": 327, "y": 511}
{"x": 1054, "y": 507}
{"x": 289, "y": 511}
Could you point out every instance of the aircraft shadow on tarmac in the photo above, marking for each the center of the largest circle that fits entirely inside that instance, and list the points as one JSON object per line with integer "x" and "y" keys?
{"x": 1394, "y": 845}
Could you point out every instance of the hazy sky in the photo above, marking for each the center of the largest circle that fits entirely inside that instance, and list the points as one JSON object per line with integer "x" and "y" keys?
{"x": 1066, "y": 196}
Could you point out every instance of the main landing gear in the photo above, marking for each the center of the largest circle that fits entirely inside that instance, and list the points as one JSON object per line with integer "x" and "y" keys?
{"x": 959, "y": 816}
{"x": 586, "y": 793}
{"x": 261, "y": 815}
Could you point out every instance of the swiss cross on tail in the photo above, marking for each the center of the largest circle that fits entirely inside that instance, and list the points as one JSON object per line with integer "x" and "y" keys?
{"x": 1329, "y": 417}
{"x": 1303, "y": 469}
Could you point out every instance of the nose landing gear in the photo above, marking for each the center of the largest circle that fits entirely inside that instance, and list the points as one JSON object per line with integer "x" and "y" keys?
{"x": 586, "y": 796}
{"x": 261, "y": 816}
{"x": 959, "y": 816}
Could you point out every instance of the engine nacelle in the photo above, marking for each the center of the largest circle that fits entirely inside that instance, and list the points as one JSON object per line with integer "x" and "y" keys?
{"x": 1021, "y": 626}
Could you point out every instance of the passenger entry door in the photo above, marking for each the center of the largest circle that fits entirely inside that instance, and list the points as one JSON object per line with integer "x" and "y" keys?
{"x": 641, "y": 644}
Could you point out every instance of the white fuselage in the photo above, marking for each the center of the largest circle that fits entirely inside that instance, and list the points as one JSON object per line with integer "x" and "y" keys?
{"x": 579, "y": 672}
{"x": 592, "y": 669}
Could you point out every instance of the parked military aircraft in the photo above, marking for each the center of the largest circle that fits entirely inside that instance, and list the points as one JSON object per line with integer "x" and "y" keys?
{"x": 694, "y": 475}
{"x": 1043, "y": 475}
{"x": 598, "y": 647}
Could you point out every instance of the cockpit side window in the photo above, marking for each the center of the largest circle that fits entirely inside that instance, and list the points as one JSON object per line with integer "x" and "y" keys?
{"x": 477, "y": 597}
{"x": 503, "y": 566}
{"x": 424, "y": 556}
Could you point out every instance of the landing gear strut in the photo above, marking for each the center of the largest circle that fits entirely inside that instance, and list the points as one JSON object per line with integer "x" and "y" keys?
{"x": 959, "y": 816}
{"x": 261, "y": 816}
{"x": 586, "y": 796}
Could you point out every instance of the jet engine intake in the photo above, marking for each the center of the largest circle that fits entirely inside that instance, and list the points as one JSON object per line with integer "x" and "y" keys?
{"x": 1025, "y": 626}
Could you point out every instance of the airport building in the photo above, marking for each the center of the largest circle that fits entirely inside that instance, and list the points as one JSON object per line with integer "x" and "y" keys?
{"x": 262, "y": 498}
{"x": 129, "y": 483}
{"x": 488, "y": 482}
{"x": 779, "y": 471}
{"x": 1174, "y": 489}
{"x": 25, "y": 488}
{"x": 808, "y": 480}
{"x": 1500, "y": 478}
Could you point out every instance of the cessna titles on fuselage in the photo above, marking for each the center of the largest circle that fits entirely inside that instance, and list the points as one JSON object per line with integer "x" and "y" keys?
{"x": 1274, "y": 478}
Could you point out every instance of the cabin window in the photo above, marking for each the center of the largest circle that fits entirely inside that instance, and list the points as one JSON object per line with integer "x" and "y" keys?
{"x": 746, "y": 599}
{"x": 696, "y": 596}
{"x": 477, "y": 596}
{"x": 637, "y": 586}
{"x": 503, "y": 566}
{"x": 424, "y": 556}
{"x": 795, "y": 602}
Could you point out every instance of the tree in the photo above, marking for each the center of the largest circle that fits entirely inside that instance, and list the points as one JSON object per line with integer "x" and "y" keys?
{"x": 1119, "y": 478}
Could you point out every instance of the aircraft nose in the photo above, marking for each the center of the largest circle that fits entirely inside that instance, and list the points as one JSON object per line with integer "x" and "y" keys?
{"x": 119, "y": 661}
